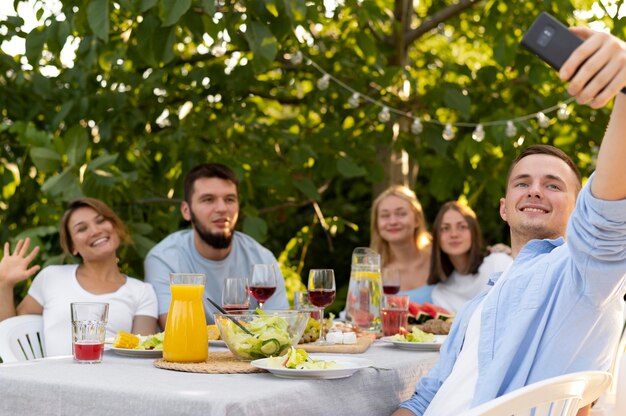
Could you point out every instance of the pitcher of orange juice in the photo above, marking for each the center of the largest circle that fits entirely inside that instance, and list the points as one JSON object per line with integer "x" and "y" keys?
{"x": 186, "y": 339}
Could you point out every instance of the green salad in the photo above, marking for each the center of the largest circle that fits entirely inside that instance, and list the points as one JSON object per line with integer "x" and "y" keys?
{"x": 416, "y": 335}
{"x": 152, "y": 342}
{"x": 299, "y": 359}
{"x": 271, "y": 337}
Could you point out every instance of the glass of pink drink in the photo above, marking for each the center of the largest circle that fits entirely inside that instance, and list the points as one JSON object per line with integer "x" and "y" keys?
{"x": 89, "y": 320}
{"x": 394, "y": 312}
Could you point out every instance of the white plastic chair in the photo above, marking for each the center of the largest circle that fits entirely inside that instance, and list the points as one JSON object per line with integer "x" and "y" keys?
{"x": 613, "y": 402}
{"x": 557, "y": 396}
{"x": 21, "y": 338}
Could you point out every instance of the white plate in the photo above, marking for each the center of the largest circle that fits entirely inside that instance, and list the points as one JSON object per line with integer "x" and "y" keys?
{"x": 138, "y": 353}
{"x": 350, "y": 365}
{"x": 217, "y": 343}
{"x": 418, "y": 346}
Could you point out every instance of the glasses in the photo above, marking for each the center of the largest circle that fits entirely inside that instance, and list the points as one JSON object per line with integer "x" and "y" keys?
{"x": 391, "y": 281}
{"x": 321, "y": 288}
{"x": 235, "y": 294}
{"x": 263, "y": 282}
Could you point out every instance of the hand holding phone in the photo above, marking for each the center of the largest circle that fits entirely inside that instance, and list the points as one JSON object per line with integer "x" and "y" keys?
{"x": 552, "y": 41}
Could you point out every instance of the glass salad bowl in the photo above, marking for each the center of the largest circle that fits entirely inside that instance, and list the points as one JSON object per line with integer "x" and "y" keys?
{"x": 272, "y": 333}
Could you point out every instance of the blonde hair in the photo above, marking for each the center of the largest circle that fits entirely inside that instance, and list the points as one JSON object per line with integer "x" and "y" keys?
{"x": 421, "y": 236}
{"x": 102, "y": 209}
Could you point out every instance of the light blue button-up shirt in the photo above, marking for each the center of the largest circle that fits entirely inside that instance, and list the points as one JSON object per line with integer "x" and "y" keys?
{"x": 558, "y": 310}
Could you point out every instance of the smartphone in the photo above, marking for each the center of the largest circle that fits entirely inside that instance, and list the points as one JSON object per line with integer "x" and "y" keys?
{"x": 552, "y": 41}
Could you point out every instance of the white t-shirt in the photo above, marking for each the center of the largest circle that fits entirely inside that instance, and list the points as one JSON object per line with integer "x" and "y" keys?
{"x": 459, "y": 288}
{"x": 55, "y": 287}
{"x": 456, "y": 393}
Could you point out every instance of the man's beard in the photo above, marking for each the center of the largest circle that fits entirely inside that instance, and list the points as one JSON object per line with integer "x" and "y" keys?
{"x": 217, "y": 241}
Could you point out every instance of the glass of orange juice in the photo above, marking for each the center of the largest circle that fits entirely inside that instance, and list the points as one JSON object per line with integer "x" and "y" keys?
{"x": 186, "y": 339}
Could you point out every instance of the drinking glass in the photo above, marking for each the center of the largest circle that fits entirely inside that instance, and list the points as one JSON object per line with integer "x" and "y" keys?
{"x": 235, "y": 294}
{"x": 263, "y": 282}
{"x": 321, "y": 289}
{"x": 394, "y": 312}
{"x": 89, "y": 321}
{"x": 391, "y": 281}
{"x": 301, "y": 302}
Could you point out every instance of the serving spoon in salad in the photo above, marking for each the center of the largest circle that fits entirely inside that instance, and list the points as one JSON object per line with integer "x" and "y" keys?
{"x": 222, "y": 310}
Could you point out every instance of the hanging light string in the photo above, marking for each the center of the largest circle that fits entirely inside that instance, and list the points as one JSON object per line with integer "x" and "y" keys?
{"x": 384, "y": 115}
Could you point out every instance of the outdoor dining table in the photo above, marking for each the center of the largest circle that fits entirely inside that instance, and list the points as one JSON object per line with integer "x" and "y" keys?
{"x": 127, "y": 385}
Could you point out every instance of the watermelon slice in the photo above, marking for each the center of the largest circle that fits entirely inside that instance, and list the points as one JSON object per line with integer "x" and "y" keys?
{"x": 420, "y": 313}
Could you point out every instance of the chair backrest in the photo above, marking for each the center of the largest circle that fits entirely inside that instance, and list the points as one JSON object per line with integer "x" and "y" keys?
{"x": 21, "y": 338}
{"x": 557, "y": 396}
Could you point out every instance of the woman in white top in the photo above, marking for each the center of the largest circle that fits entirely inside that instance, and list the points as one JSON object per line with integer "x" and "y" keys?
{"x": 459, "y": 268}
{"x": 91, "y": 231}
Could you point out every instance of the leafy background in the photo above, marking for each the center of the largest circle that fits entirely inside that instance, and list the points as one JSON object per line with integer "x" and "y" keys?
{"x": 158, "y": 86}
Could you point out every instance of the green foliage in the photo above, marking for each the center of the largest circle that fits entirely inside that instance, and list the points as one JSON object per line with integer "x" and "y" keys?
{"x": 159, "y": 86}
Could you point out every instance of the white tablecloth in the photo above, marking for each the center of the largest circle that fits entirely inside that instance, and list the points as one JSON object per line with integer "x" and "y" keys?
{"x": 133, "y": 386}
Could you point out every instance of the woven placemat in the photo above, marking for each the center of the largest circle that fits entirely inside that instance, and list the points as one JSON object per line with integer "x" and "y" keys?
{"x": 216, "y": 363}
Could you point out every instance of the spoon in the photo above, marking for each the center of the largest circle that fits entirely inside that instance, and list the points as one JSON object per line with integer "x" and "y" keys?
{"x": 222, "y": 310}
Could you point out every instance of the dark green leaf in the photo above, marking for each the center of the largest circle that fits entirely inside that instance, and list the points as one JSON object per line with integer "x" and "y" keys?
{"x": 76, "y": 143}
{"x": 45, "y": 159}
{"x": 55, "y": 185}
{"x": 307, "y": 188}
{"x": 98, "y": 18}
{"x": 349, "y": 169}
{"x": 208, "y": 6}
{"x": 172, "y": 10}
{"x": 262, "y": 43}
{"x": 454, "y": 98}
{"x": 102, "y": 162}
{"x": 255, "y": 227}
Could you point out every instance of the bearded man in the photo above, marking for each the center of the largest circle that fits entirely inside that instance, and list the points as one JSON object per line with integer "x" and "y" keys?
{"x": 212, "y": 247}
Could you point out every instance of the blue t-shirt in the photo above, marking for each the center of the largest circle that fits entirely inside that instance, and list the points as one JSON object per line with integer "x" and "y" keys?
{"x": 177, "y": 253}
{"x": 420, "y": 294}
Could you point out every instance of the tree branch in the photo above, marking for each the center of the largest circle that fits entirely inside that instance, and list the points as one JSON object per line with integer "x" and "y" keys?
{"x": 439, "y": 17}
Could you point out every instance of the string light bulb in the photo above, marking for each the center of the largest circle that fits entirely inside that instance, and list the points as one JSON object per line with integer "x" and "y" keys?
{"x": 417, "y": 127}
{"x": 448, "y": 133}
{"x": 353, "y": 101}
{"x": 296, "y": 58}
{"x": 562, "y": 113}
{"x": 384, "y": 115}
{"x": 543, "y": 120}
{"x": 357, "y": 98}
{"x": 510, "y": 130}
{"x": 323, "y": 82}
{"x": 479, "y": 133}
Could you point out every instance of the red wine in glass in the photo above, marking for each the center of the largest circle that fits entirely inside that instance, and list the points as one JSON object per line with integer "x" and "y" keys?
{"x": 391, "y": 290}
{"x": 262, "y": 293}
{"x": 234, "y": 307}
{"x": 321, "y": 297}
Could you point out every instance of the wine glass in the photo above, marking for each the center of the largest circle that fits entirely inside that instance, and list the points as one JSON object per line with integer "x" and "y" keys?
{"x": 321, "y": 289}
{"x": 235, "y": 294}
{"x": 263, "y": 282}
{"x": 391, "y": 281}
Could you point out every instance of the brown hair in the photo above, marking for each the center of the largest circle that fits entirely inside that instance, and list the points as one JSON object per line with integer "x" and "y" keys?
{"x": 101, "y": 208}
{"x": 207, "y": 170}
{"x": 440, "y": 265}
{"x": 544, "y": 149}
{"x": 422, "y": 236}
